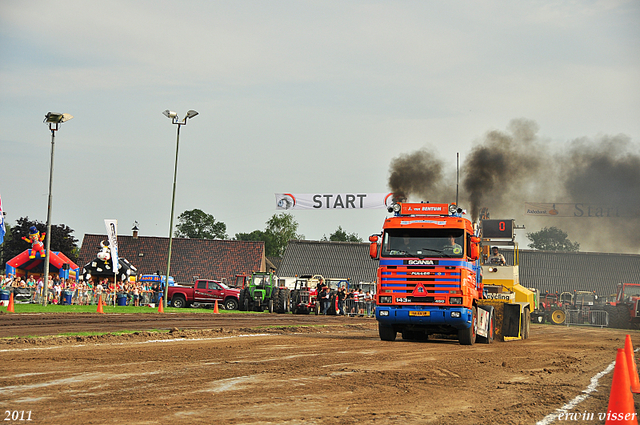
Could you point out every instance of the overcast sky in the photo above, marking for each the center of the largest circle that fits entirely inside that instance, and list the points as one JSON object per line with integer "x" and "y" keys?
{"x": 293, "y": 96}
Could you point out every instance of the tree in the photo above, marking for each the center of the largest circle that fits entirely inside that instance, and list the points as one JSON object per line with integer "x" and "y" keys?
{"x": 196, "y": 224}
{"x": 258, "y": 236}
{"x": 342, "y": 236}
{"x": 62, "y": 239}
{"x": 552, "y": 239}
{"x": 279, "y": 231}
{"x": 282, "y": 228}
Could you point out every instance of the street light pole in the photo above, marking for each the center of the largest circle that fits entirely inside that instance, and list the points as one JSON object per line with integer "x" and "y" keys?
{"x": 51, "y": 118}
{"x": 174, "y": 119}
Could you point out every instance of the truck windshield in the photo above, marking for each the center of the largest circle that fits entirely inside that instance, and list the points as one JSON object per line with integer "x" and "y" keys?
{"x": 423, "y": 243}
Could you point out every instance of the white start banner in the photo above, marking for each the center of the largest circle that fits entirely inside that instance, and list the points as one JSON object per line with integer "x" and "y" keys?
{"x": 332, "y": 201}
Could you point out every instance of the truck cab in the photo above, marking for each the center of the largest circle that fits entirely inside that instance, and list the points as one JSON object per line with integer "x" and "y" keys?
{"x": 428, "y": 280}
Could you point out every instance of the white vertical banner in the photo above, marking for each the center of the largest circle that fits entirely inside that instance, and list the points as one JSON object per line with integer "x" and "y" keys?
{"x": 112, "y": 233}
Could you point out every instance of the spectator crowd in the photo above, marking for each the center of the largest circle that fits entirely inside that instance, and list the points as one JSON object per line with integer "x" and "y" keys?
{"x": 70, "y": 291}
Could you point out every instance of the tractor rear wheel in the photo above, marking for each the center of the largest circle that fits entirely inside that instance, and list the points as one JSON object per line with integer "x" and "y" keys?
{"x": 283, "y": 301}
{"x": 241, "y": 298}
{"x": 558, "y": 316}
{"x": 624, "y": 316}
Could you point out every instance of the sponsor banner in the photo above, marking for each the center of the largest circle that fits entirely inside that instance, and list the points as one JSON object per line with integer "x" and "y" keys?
{"x": 112, "y": 232}
{"x": 581, "y": 209}
{"x": 332, "y": 201}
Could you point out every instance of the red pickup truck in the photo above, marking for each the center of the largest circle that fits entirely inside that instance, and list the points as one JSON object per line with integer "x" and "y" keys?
{"x": 204, "y": 292}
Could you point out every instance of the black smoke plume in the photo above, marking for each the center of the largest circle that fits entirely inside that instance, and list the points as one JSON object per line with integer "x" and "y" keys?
{"x": 505, "y": 169}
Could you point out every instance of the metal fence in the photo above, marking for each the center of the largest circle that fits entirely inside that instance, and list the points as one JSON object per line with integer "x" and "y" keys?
{"x": 359, "y": 308}
{"x": 596, "y": 318}
{"x": 81, "y": 297}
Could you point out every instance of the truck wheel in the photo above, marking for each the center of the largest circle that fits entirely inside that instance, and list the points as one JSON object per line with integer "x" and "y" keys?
{"x": 558, "y": 316}
{"x": 468, "y": 336}
{"x": 387, "y": 333}
{"x": 230, "y": 304}
{"x": 178, "y": 302}
{"x": 526, "y": 323}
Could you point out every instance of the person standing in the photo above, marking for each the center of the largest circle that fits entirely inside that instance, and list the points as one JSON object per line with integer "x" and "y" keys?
{"x": 325, "y": 300}
{"x": 342, "y": 294}
{"x": 368, "y": 299}
{"x": 356, "y": 301}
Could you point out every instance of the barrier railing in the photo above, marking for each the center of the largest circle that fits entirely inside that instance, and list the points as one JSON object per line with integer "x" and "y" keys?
{"x": 81, "y": 297}
{"x": 596, "y": 318}
{"x": 359, "y": 308}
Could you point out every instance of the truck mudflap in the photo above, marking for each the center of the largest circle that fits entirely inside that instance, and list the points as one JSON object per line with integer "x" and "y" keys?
{"x": 484, "y": 322}
{"x": 511, "y": 320}
{"x": 455, "y": 317}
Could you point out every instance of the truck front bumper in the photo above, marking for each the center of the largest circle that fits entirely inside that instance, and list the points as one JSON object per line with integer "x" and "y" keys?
{"x": 455, "y": 317}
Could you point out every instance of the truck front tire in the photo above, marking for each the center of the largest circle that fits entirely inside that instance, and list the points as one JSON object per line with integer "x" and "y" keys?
{"x": 468, "y": 336}
{"x": 387, "y": 333}
{"x": 230, "y": 304}
{"x": 178, "y": 302}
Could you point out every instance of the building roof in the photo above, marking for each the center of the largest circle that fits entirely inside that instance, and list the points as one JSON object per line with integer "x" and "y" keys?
{"x": 205, "y": 258}
{"x": 580, "y": 271}
{"x": 339, "y": 260}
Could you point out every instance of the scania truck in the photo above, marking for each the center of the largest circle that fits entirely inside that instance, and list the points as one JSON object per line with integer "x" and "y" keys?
{"x": 429, "y": 279}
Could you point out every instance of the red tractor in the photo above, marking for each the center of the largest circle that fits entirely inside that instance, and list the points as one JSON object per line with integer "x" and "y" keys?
{"x": 624, "y": 313}
{"x": 304, "y": 294}
{"x": 551, "y": 309}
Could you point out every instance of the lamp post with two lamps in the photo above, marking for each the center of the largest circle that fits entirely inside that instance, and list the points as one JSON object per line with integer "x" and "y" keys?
{"x": 54, "y": 119}
{"x": 175, "y": 120}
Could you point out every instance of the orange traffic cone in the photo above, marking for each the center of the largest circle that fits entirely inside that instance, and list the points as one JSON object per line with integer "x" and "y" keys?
{"x": 215, "y": 308}
{"x": 10, "y": 306}
{"x": 621, "y": 409}
{"x": 160, "y": 307}
{"x": 100, "y": 305}
{"x": 631, "y": 365}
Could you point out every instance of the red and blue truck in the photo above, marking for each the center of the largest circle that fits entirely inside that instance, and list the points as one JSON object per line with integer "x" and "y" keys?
{"x": 429, "y": 279}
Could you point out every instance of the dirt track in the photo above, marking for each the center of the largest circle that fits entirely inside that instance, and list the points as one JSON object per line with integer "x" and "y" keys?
{"x": 245, "y": 368}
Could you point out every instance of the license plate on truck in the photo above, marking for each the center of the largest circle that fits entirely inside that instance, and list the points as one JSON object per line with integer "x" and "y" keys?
{"x": 419, "y": 313}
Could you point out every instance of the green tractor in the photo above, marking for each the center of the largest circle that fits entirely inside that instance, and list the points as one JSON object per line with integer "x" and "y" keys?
{"x": 263, "y": 293}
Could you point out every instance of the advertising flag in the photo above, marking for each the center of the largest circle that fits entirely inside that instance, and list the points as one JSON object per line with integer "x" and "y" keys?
{"x": 112, "y": 233}
{"x": 3, "y": 230}
{"x": 332, "y": 201}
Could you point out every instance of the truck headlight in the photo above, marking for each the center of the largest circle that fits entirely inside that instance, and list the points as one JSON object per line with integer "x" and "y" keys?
{"x": 384, "y": 312}
{"x": 455, "y": 300}
{"x": 385, "y": 300}
{"x": 455, "y": 314}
